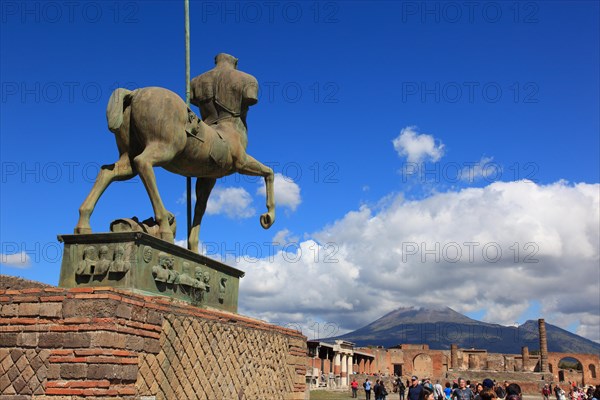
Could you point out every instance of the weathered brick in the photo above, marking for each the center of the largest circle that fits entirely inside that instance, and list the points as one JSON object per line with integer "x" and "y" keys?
{"x": 135, "y": 343}
{"x": 50, "y": 340}
{"x": 154, "y": 317}
{"x": 152, "y": 345}
{"x": 29, "y": 309}
{"x": 52, "y": 310}
{"x": 8, "y": 339}
{"x": 27, "y": 339}
{"x": 76, "y": 339}
{"x": 10, "y": 310}
{"x": 20, "y": 385}
{"x": 129, "y": 372}
{"x": 124, "y": 311}
{"x": 73, "y": 371}
{"x": 53, "y": 371}
{"x": 103, "y": 371}
{"x": 108, "y": 339}
{"x": 91, "y": 308}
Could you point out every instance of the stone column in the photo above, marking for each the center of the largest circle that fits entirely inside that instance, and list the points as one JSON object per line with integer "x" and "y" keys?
{"x": 350, "y": 363}
{"x": 337, "y": 368}
{"x": 543, "y": 346}
{"x": 524, "y": 358}
{"x": 454, "y": 357}
{"x": 344, "y": 371}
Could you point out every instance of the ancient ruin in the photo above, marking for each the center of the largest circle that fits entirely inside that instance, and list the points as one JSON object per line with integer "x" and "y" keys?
{"x": 331, "y": 365}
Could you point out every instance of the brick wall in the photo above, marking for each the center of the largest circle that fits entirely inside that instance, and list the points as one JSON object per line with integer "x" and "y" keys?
{"x": 100, "y": 343}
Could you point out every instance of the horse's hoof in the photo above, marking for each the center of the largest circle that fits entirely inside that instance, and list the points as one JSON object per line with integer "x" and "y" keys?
{"x": 266, "y": 220}
{"x": 80, "y": 230}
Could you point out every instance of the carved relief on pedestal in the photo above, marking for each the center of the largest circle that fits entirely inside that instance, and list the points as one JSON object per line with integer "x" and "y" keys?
{"x": 222, "y": 288}
{"x": 103, "y": 263}
{"x": 87, "y": 266}
{"x": 120, "y": 263}
{"x": 163, "y": 272}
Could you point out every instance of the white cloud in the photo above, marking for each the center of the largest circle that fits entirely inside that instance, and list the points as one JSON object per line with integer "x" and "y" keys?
{"x": 417, "y": 147}
{"x": 484, "y": 168}
{"x": 287, "y": 192}
{"x": 234, "y": 202}
{"x": 363, "y": 265}
{"x": 17, "y": 260}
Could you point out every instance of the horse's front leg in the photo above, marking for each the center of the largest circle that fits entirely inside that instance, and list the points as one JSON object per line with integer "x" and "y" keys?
{"x": 255, "y": 168}
{"x": 203, "y": 188}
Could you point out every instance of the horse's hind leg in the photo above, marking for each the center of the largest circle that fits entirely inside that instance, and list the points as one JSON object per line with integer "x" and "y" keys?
{"x": 255, "y": 168}
{"x": 119, "y": 171}
{"x": 203, "y": 188}
{"x": 154, "y": 155}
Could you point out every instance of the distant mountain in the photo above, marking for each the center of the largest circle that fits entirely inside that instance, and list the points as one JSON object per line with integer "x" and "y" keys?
{"x": 441, "y": 327}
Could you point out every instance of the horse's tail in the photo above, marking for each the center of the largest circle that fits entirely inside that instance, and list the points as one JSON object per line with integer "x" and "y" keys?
{"x": 115, "y": 108}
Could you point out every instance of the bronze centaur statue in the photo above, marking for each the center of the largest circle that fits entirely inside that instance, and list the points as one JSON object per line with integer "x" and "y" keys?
{"x": 154, "y": 127}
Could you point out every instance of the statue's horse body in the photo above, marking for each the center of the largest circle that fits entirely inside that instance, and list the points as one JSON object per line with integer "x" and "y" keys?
{"x": 150, "y": 129}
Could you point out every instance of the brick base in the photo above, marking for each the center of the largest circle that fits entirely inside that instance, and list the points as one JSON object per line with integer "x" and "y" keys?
{"x": 109, "y": 344}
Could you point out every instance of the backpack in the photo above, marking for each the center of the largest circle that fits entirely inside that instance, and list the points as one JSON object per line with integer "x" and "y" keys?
{"x": 365, "y": 385}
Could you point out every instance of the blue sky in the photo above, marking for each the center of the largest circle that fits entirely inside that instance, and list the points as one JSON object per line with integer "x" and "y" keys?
{"x": 375, "y": 115}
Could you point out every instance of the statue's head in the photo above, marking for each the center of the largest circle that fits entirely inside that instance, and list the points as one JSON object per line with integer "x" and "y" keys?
{"x": 224, "y": 58}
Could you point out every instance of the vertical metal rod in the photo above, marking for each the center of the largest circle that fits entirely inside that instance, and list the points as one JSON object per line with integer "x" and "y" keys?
{"x": 188, "y": 180}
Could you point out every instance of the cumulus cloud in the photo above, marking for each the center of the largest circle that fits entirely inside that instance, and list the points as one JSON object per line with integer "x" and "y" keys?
{"x": 234, "y": 202}
{"x": 287, "y": 192}
{"x": 495, "y": 248}
{"x": 417, "y": 147}
{"x": 17, "y": 260}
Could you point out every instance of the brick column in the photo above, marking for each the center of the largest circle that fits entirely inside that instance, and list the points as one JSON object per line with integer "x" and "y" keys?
{"x": 337, "y": 367}
{"x": 543, "y": 346}
{"x": 454, "y": 357}
{"x": 524, "y": 358}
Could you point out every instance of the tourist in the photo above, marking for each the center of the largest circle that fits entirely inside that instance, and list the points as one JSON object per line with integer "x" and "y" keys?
{"x": 488, "y": 384}
{"x": 414, "y": 391}
{"x": 402, "y": 388}
{"x": 501, "y": 392}
{"x": 354, "y": 386}
{"x": 488, "y": 393}
{"x": 478, "y": 390}
{"x": 382, "y": 391}
{"x": 367, "y": 387}
{"x": 546, "y": 392}
{"x": 438, "y": 391}
{"x": 596, "y": 395}
{"x": 426, "y": 394}
{"x": 447, "y": 391}
{"x": 513, "y": 392}
{"x": 377, "y": 390}
{"x": 462, "y": 392}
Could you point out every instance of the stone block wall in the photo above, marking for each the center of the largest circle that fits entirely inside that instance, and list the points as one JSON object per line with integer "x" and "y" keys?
{"x": 101, "y": 343}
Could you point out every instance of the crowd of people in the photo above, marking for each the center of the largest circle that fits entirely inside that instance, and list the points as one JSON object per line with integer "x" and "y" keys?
{"x": 462, "y": 389}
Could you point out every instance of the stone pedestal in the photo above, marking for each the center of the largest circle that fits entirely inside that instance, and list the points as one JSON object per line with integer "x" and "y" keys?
{"x": 143, "y": 264}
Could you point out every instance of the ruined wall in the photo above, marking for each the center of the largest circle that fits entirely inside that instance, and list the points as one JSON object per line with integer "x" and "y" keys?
{"x": 102, "y": 343}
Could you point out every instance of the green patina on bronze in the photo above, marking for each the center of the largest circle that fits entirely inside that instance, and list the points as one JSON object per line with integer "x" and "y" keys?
{"x": 145, "y": 264}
